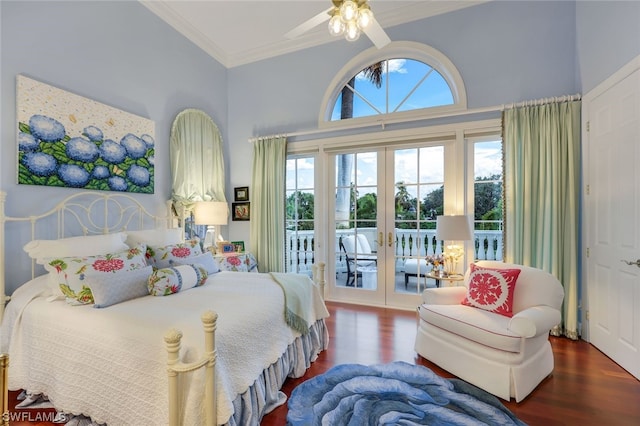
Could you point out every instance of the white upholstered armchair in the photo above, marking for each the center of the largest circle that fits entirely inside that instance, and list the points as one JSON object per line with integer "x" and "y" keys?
{"x": 506, "y": 356}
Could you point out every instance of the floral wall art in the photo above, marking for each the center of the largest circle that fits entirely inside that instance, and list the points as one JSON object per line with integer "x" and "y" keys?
{"x": 71, "y": 141}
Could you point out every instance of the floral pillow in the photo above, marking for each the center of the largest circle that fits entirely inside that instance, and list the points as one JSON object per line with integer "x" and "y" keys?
{"x": 72, "y": 272}
{"x": 166, "y": 281}
{"x": 162, "y": 257}
{"x": 492, "y": 289}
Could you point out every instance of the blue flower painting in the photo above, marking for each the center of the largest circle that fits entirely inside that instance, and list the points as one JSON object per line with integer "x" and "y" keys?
{"x": 70, "y": 141}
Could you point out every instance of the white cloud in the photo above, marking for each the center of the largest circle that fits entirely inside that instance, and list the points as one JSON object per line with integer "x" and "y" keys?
{"x": 488, "y": 159}
{"x": 394, "y": 66}
{"x": 397, "y": 65}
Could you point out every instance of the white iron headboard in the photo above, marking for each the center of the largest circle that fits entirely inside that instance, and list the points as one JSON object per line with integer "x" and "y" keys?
{"x": 82, "y": 213}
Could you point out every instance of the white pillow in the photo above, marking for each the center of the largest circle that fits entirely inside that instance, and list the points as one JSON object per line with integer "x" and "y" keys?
{"x": 109, "y": 289}
{"x": 205, "y": 259}
{"x": 166, "y": 281}
{"x": 158, "y": 237}
{"x": 89, "y": 245}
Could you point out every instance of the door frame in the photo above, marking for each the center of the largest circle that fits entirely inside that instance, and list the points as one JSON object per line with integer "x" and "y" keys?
{"x": 587, "y": 287}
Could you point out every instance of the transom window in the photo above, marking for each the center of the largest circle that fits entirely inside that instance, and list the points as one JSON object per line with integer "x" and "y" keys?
{"x": 389, "y": 86}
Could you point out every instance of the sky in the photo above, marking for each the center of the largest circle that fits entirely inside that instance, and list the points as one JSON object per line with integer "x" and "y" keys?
{"x": 410, "y": 84}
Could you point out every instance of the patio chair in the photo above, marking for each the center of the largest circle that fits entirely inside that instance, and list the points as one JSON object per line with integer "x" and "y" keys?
{"x": 358, "y": 254}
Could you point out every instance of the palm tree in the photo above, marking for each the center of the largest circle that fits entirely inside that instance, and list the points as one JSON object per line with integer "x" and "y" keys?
{"x": 374, "y": 73}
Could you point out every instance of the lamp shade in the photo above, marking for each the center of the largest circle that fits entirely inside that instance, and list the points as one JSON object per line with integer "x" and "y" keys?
{"x": 210, "y": 213}
{"x": 453, "y": 228}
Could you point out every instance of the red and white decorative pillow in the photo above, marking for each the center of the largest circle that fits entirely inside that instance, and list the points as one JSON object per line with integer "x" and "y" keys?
{"x": 492, "y": 289}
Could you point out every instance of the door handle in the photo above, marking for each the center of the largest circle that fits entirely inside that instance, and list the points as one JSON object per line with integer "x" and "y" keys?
{"x": 637, "y": 262}
{"x": 390, "y": 240}
{"x": 380, "y": 239}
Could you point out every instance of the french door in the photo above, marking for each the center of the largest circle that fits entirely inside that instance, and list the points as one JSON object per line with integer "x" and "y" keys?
{"x": 383, "y": 221}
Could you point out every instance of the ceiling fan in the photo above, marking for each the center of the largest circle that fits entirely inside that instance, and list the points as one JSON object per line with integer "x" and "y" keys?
{"x": 348, "y": 18}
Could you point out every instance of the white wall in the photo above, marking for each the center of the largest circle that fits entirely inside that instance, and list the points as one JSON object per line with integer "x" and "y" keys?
{"x": 608, "y": 37}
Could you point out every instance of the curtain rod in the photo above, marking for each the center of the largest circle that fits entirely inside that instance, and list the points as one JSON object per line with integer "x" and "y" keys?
{"x": 382, "y": 123}
{"x": 543, "y": 101}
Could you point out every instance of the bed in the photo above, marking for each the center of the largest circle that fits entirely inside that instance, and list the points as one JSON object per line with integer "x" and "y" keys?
{"x": 143, "y": 360}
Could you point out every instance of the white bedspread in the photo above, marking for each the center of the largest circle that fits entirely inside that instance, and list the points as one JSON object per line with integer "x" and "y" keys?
{"x": 110, "y": 363}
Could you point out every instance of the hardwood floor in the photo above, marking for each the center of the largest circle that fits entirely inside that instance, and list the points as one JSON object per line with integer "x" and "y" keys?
{"x": 586, "y": 387}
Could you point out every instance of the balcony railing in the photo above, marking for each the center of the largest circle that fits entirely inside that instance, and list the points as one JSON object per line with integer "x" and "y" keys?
{"x": 300, "y": 246}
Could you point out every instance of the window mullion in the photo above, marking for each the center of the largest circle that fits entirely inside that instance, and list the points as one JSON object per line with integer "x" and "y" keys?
{"x": 386, "y": 66}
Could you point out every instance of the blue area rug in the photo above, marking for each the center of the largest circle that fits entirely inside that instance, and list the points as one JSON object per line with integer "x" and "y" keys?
{"x": 398, "y": 393}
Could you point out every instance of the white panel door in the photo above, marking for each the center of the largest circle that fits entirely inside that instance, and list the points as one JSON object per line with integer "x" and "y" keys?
{"x": 613, "y": 220}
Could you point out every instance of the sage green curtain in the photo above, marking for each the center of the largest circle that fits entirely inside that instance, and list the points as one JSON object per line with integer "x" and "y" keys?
{"x": 266, "y": 229}
{"x": 542, "y": 195}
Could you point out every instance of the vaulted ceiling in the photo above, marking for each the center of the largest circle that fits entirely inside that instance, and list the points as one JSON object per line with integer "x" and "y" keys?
{"x": 241, "y": 31}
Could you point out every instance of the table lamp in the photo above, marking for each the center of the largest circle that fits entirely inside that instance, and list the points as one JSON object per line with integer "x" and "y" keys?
{"x": 452, "y": 228}
{"x": 211, "y": 214}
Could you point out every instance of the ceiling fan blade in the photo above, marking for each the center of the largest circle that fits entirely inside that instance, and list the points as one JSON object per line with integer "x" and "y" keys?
{"x": 377, "y": 34}
{"x": 307, "y": 25}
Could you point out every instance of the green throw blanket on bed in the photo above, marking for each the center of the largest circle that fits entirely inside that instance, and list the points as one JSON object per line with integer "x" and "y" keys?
{"x": 297, "y": 299}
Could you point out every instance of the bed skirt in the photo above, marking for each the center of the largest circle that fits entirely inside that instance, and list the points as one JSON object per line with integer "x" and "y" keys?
{"x": 265, "y": 395}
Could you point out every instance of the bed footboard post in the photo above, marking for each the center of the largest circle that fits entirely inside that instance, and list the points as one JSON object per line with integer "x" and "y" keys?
{"x": 209, "y": 322}
{"x": 172, "y": 341}
{"x": 4, "y": 384}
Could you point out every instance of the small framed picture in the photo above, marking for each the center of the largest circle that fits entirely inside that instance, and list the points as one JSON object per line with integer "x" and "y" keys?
{"x": 240, "y": 211}
{"x": 239, "y": 246}
{"x": 228, "y": 248}
{"x": 241, "y": 193}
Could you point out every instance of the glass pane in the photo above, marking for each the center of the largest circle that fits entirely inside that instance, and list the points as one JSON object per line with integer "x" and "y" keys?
{"x": 487, "y": 160}
{"x": 432, "y": 203}
{"x": 488, "y": 200}
{"x": 366, "y": 88}
{"x": 345, "y": 173}
{"x": 299, "y": 213}
{"x": 406, "y": 166}
{"x": 405, "y": 84}
{"x": 432, "y": 164}
{"x": 355, "y": 220}
{"x": 419, "y": 192}
{"x": 433, "y": 91}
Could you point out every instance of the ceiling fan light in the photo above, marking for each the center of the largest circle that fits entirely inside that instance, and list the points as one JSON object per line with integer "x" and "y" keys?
{"x": 364, "y": 17}
{"x": 352, "y": 32}
{"x": 336, "y": 26}
{"x": 349, "y": 10}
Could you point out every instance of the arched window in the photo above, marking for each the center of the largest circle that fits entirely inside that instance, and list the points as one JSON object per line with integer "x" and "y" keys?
{"x": 406, "y": 78}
